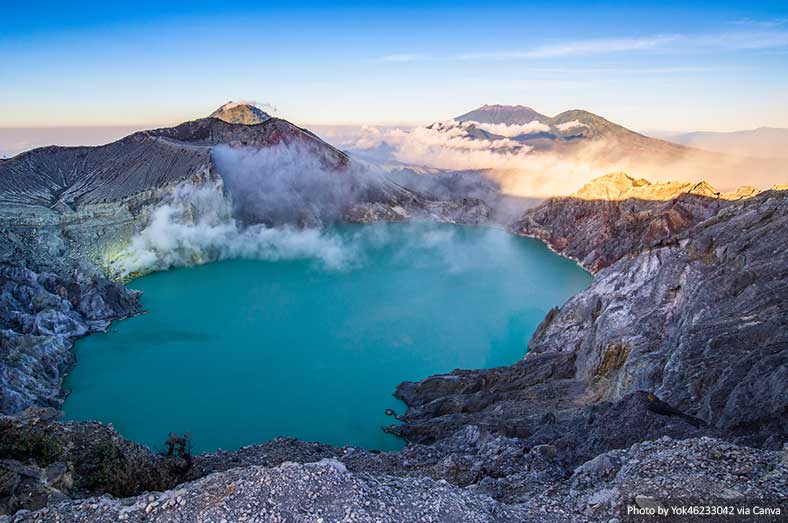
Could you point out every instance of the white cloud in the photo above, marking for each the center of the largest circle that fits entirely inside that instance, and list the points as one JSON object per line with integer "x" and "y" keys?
{"x": 628, "y": 70}
{"x": 518, "y": 169}
{"x": 601, "y": 46}
{"x": 510, "y": 131}
{"x": 370, "y": 137}
{"x": 567, "y": 126}
{"x": 450, "y": 135}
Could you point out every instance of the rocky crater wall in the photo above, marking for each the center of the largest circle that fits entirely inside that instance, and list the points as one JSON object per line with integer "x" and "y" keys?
{"x": 673, "y": 360}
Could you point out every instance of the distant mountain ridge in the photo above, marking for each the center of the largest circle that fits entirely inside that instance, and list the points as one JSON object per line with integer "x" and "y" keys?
{"x": 503, "y": 114}
{"x": 763, "y": 142}
{"x": 561, "y": 131}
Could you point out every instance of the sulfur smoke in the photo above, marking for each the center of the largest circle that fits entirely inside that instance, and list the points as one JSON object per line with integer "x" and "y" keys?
{"x": 196, "y": 225}
{"x": 270, "y": 204}
{"x": 288, "y": 184}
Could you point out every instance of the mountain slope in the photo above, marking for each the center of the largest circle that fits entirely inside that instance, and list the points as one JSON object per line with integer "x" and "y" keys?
{"x": 75, "y": 176}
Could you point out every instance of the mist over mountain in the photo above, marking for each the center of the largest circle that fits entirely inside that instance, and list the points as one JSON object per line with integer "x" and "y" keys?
{"x": 763, "y": 142}
{"x": 533, "y": 155}
{"x": 547, "y": 132}
{"x": 518, "y": 127}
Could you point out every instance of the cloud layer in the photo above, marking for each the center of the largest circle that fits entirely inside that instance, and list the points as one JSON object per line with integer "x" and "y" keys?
{"x": 512, "y": 131}
{"x": 516, "y": 168}
{"x": 520, "y": 170}
{"x": 568, "y": 126}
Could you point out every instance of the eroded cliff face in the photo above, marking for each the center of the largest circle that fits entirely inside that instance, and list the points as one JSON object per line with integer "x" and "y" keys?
{"x": 702, "y": 322}
{"x": 616, "y": 215}
{"x": 41, "y": 314}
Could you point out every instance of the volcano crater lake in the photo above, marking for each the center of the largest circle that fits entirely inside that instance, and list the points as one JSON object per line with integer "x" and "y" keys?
{"x": 240, "y": 351}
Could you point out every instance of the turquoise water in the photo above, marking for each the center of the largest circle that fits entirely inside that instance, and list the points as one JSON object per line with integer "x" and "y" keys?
{"x": 241, "y": 351}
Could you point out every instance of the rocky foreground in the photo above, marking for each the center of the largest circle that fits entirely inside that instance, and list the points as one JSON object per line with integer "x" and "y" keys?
{"x": 666, "y": 378}
{"x": 473, "y": 476}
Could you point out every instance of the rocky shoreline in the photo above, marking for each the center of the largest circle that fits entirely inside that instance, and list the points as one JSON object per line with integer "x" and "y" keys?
{"x": 698, "y": 320}
{"x": 665, "y": 378}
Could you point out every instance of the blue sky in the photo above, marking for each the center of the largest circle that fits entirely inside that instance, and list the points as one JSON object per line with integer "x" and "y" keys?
{"x": 666, "y": 65}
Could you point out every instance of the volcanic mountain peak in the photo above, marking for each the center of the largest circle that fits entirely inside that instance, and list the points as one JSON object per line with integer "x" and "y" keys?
{"x": 503, "y": 114}
{"x": 566, "y": 131}
{"x": 575, "y": 122}
{"x": 585, "y": 123}
{"x": 144, "y": 161}
{"x": 567, "y": 122}
{"x": 240, "y": 113}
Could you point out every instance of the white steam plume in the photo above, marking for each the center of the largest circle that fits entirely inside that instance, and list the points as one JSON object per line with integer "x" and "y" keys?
{"x": 266, "y": 207}
{"x": 196, "y": 226}
{"x": 288, "y": 184}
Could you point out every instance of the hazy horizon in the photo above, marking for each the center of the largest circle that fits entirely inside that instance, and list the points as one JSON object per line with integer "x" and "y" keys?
{"x": 14, "y": 140}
